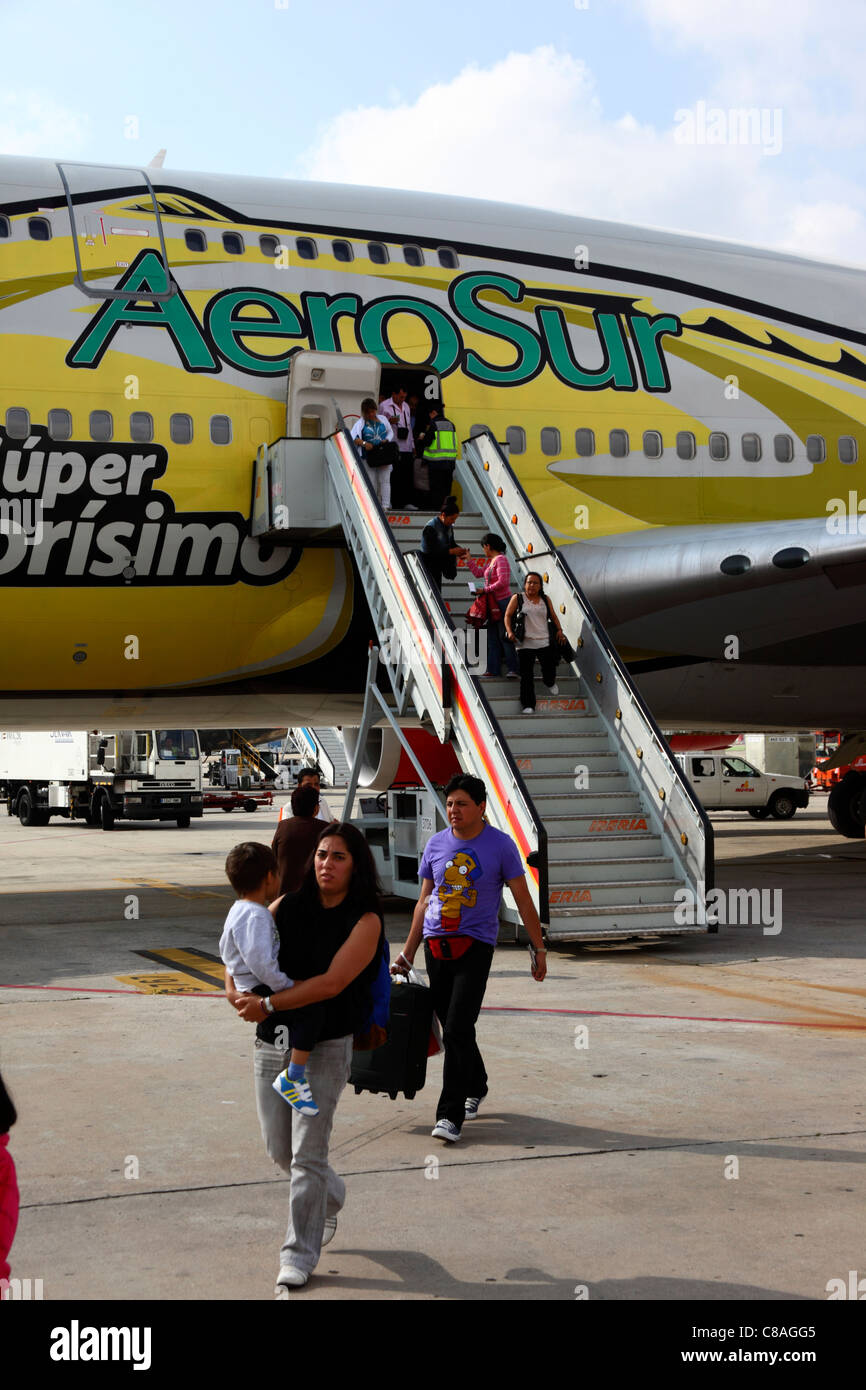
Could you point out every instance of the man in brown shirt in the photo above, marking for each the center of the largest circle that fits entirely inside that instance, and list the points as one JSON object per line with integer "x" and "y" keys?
{"x": 295, "y": 838}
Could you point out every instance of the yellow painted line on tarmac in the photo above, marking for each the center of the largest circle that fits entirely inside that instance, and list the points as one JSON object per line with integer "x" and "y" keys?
{"x": 195, "y": 962}
{"x": 166, "y": 982}
{"x": 199, "y": 973}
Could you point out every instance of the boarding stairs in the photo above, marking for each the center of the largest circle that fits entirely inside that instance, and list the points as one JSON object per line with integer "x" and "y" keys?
{"x": 324, "y": 748}
{"x": 606, "y": 822}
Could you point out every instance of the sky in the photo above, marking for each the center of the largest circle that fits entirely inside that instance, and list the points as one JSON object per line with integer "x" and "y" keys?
{"x": 743, "y": 120}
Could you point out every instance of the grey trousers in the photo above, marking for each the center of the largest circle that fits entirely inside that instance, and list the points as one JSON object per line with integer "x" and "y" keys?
{"x": 299, "y": 1143}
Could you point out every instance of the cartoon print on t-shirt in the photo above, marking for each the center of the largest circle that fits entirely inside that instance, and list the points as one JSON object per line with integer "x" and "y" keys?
{"x": 455, "y": 892}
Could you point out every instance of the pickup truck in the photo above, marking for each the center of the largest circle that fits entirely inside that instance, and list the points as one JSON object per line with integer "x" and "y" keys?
{"x": 724, "y": 782}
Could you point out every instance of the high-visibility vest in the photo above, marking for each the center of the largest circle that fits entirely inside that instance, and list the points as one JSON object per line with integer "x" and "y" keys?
{"x": 443, "y": 445}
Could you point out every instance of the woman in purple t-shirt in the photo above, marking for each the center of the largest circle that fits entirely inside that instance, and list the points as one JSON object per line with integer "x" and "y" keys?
{"x": 463, "y": 872}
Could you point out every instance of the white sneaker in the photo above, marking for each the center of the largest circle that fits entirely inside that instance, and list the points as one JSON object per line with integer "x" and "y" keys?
{"x": 289, "y": 1278}
{"x": 330, "y": 1230}
{"x": 445, "y": 1129}
{"x": 554, "y": 689}
{"x": 410, "y": 508}
{"x": 528, "y": 710}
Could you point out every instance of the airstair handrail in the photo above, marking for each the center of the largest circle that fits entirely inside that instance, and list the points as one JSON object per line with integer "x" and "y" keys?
{"x": 498, "y": 486}
{"x": 473, "y": 719}
{"x": 411, "y": 626}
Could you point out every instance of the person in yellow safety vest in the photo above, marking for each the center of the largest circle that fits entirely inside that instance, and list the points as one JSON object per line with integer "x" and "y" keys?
{"x": 439, "y": 442}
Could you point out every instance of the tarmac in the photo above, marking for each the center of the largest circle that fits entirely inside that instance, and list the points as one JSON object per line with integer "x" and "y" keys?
{"x": 668, "y": 1121}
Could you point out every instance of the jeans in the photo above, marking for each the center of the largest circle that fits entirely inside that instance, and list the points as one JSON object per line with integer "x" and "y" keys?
{"x": 546, "y": 660}
{"x": 380, "y": 479}
{"x": 299, "y": 1143}
{"x": 499, "y": 648}
{"x": 458, "y": 988}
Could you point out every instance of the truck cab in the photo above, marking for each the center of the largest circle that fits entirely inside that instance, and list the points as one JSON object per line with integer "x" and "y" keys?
{"x": 725, "y": 782}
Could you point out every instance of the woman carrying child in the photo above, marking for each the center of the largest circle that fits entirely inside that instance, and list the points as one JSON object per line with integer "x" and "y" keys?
{"x": 331, "y": 933}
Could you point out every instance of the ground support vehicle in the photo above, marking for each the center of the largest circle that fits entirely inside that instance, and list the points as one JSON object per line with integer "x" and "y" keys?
{"x": 728, "y": 783}
{"x": 101, "y": 777}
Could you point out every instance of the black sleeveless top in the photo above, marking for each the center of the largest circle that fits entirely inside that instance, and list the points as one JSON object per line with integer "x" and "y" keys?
{"x": 310, "y": 936}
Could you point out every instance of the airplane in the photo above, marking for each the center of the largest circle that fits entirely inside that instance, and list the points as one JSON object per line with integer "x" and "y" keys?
{"x": 686, "y": 415}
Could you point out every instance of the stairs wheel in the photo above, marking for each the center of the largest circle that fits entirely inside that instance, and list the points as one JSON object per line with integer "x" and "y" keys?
{"x": 410, "y": 1095}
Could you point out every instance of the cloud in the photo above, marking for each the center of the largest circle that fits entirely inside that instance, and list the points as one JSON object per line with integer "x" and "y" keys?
{"x": 532, "y": 129}
{"x": 33, "y": 123}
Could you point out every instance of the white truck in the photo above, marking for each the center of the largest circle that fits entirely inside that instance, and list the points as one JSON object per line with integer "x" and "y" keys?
{"x": 724, "y": 782}
{"x": 137, "y": 774}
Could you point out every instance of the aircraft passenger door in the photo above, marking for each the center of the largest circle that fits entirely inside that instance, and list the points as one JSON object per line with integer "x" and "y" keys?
{"x": 113, "y": 215}
{"x": 321, "y": 383}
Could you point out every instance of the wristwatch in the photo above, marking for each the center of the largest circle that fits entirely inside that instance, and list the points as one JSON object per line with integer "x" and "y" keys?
{"x": 269, "y": 1008}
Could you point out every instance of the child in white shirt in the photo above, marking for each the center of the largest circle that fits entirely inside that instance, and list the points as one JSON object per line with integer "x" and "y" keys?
{"x": 249, "y": 947}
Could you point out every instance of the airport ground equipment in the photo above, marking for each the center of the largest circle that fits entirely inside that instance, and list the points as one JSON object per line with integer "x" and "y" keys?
{"x": 606, "y": 821}
{"x": 727, "y": 782}
{"x": 134, "y": 774}
{"x": 323, "y": 748}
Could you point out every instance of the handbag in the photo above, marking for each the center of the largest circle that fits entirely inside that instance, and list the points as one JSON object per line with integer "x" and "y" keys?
{"x": 381, "y": 455}
{"x": 483, "y": 609}
{"x": 518, "y": 622}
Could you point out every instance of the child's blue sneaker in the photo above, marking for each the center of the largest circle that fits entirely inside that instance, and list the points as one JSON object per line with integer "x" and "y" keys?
{"x": 297, "y": 1093}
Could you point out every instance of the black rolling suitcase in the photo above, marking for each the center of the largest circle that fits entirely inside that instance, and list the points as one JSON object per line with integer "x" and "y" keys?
{"x": 400, "y": 1064}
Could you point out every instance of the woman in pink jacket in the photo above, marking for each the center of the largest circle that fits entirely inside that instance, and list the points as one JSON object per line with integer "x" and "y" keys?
{"x": 496, "y": 572}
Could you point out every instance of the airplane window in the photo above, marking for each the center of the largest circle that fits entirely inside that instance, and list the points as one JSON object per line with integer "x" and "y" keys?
{"x": 306, "y": 248}
{"x": 377, "y": 252}
{"x": 475, "y": 430}
{"x": 220, "y": 429}
{"x": 515, "y": 438}
{"x": 783, "y": 448}
{"x": 5, "y": 229}
{"x": 751, "y": 447}
{"x": 448, "y": 258}
{"x": 551, "y": 441}
{"x": 619, "y": 445}
{"x": 652, "y": 444}
{"x": 59, "y": 424}
{"x": 17, "y": 423}
{"x": 180, "y": 429}
{"x": 101, "y": 426}
{"x": 343, "y": 251}
{"x": 413, "y": 255}
{"x": 40, "y": 228}
{"x": 816, "y": 448}
{"x": 141, "y": 427}
{"x": 584, "y": 443}
{"x": 269, "y": 246}
{"x": 847, "y": 449}
{"x": 686, "y": 445}
{"x": 719, "y": 448}
{"x": 195, "y": 240}
{"x": 233, "y": 243}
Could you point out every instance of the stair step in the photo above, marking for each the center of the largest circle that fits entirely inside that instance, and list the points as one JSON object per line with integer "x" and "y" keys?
{"x": 580, "y": 848}
{"x": 563, "y": 782}
{"x": 553, "y": 806}
{"x": 578, "y": 924}
{"x": 625, "y": 871}
{"x": 612, "y": 893}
